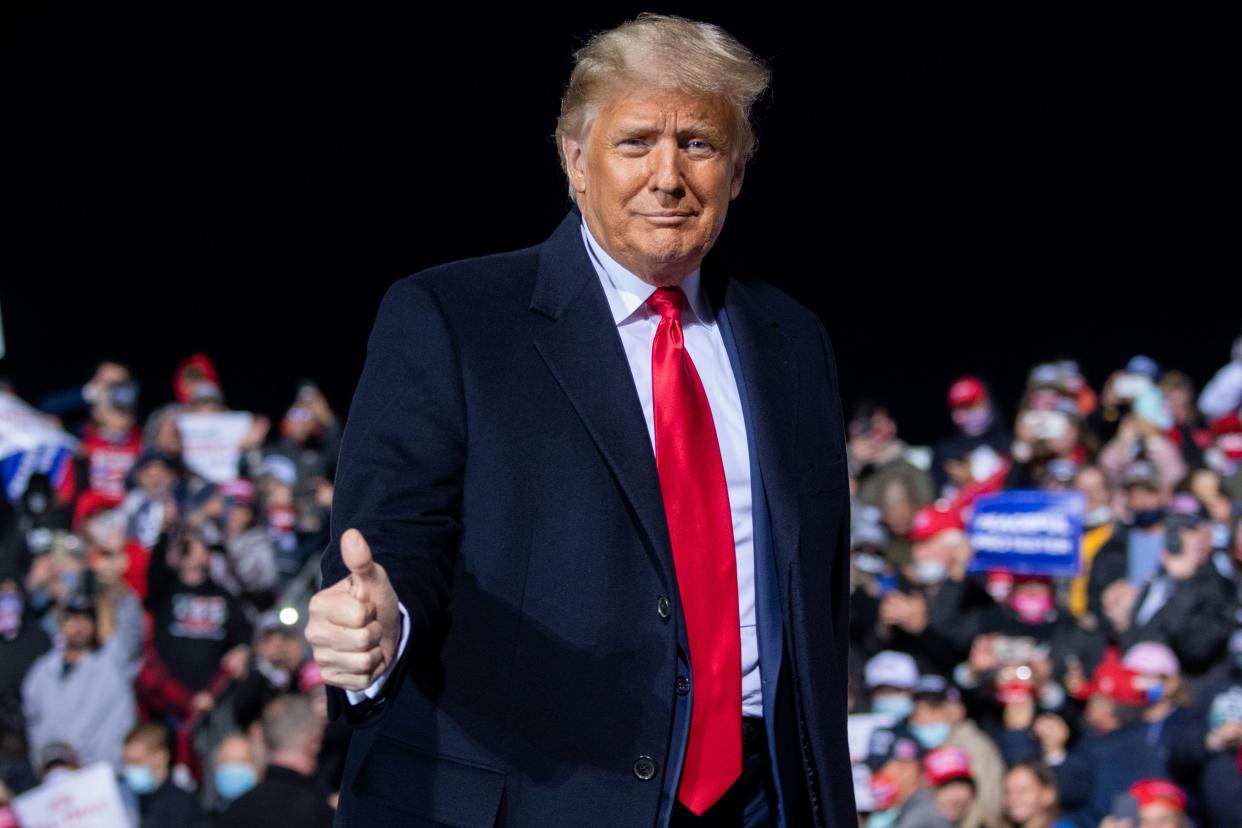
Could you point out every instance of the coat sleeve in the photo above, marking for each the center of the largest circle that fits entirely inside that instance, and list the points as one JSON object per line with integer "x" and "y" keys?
{"x": 400, "y": 469}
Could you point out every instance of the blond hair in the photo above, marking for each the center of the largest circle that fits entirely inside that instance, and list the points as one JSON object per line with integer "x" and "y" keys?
{"x": 665, "y": 52}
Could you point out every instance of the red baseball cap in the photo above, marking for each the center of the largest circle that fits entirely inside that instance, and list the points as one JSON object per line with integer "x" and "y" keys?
{"x": 1149, "y": 791}
{"x": 945, "y": 764}
{"x": 1116, "y": 682}
{"x": 930, "y": 521}
{"x": 966, "y": 391}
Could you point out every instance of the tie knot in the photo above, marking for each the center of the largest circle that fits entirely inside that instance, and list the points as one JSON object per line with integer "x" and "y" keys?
{"x": 668, "y": 301}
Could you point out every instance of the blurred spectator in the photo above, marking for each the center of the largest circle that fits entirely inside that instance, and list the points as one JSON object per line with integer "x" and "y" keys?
{"x": 21, "y": 644}
{"x": 877, "y": 455}
{"x": 1103, "y": 540}
{"x": 1212, "y": 740}
{"x": 310, "y": 437}
{"x": 1223, "y": 393}
{"x": 947, "y": 771}
{"x": 289, "y": 793}
{"x": 1111, "y": 754}
{"x": 1224, "y": 456}
{"x": 236, "y": 769}
{"x": 151, "y": 506}
{"x": 248, "y": 566}
{"x": 982, "y": 437}
{"x": 938, "y": 720}
{"x": 1030, "y": 797}
{"x": 1158, "y": 803}
{"x": 79, "y": 693}
{"x": 72, "y": 403}
{"x": 275, "y": 667}
{"x": 1186, "y": 604}
{"x": 899, "y": 797}
{"x": 148, "y": 761}
{"x": 891, "y": 678}
{"x": 1187, "y": 429}
{"x": 1141, "y": 436}
{"x": 196, "y": 622}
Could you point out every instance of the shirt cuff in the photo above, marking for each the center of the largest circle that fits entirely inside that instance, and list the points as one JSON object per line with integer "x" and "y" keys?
{"x": 357, "y": 696}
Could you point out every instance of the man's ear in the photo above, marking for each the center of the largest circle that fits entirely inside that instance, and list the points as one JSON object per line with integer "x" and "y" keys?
{"x": 575, "y": 163}
{"x": 739, "y": 172}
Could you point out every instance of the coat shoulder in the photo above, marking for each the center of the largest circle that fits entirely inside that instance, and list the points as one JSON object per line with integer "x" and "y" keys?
{"x": 476, "y": 278}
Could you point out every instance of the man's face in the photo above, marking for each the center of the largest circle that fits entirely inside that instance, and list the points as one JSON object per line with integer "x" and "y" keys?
{"x": 1025, "y": 797}
{"x": 654, "y": 176}
{"x": 1159, "y": 814}
{"x": 953, "y": 799}
{"x": 138, "y": 752}
{"x": 1091, "y": 483}
{"x": 1140, "y": 498}
{"x": 78, "y": 630}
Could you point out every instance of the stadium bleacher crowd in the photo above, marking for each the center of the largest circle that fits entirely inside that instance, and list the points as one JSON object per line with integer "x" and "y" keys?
{"x": 156, "y": 563}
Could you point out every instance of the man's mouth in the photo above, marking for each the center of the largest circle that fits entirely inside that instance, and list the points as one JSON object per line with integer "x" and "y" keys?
{"x": 668, "y": 217}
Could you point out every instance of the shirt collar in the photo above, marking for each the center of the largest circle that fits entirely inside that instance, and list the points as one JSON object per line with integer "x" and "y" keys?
{"x": 627, "y": 293}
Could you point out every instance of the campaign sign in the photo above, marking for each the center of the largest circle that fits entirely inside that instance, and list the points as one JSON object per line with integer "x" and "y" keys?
{"x": 1027, "y": 531}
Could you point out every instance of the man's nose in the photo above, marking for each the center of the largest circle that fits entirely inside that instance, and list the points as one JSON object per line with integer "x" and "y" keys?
{"x": 665, "y": 166}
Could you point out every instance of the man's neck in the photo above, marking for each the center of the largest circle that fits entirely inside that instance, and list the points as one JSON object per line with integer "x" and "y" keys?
{"x": 294, "y": 761}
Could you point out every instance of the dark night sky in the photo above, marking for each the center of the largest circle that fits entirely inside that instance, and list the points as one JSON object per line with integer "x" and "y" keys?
{"x": 951, "y": 191}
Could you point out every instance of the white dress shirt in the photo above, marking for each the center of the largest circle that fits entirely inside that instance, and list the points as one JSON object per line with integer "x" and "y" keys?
{"x": 636, "y": 324}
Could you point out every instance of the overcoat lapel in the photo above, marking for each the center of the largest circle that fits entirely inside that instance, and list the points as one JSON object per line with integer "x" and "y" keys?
{"x": 574, "y": 332}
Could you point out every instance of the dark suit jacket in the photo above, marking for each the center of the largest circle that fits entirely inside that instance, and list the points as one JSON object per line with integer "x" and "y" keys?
{"x": 496, "y": 459}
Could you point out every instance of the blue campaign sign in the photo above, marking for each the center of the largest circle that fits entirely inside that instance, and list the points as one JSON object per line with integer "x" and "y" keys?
{"x": 1027, "y": 531}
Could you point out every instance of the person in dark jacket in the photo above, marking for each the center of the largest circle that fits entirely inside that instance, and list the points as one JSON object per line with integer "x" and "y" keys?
{"x": 1188, "y": 604}
{"x": 147, "y": 758}
{"x": 289, "y": 793}
{"x": 1212, "y": 740}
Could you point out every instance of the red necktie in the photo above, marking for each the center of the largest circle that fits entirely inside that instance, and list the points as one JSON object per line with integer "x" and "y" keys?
{"x": 700, "y": 525}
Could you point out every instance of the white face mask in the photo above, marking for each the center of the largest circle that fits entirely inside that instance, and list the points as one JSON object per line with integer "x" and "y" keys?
{"x": 930, "y": 572}
{"x": 1098, "y": 516}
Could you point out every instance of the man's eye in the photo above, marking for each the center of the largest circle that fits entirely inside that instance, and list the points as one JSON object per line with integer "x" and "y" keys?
{"x": 699, "y": 146}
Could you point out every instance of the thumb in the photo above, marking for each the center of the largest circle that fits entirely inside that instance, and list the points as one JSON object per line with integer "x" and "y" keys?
{"x": 357, "y": 557}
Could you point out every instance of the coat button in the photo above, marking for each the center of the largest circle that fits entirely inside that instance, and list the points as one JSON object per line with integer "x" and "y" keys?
{"x": 664, "y": 607}
{"x": 682, "y": 685}
{"x": 644, "y": 767}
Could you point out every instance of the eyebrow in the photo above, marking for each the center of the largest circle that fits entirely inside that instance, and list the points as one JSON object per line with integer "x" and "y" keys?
{"x": 690, "y": 128}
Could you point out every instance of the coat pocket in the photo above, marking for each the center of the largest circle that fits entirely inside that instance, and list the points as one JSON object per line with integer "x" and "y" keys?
{"x": 444, "y": 790}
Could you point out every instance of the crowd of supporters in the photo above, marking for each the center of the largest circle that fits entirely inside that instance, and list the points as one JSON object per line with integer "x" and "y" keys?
{"x": 153, "y": 588}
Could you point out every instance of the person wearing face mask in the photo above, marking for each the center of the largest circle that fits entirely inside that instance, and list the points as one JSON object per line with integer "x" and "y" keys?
{"x": 1187, "y": 605}
{"x": 1112, "y": 752}
{"x": 147, "y": 760}
{"x": 898, "y": 796}
{"x": 1030, "y": 610}
{"x": 1166, "y": 713}
{"x": 1119, "y": 569}
{"x": 1103, "y": 541}
{"x": 973, "y": 413}
{"x": 236, "y": 770}
{"x": 1212, "y": 739}
{"x": 21, "y": 643}
{"x": 936, "y": 613}
{"x": 939, "y": 720}
{"x": 890, "y": 677}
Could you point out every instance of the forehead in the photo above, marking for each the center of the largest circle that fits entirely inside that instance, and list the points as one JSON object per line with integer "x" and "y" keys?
{"x": 655, "y": 106}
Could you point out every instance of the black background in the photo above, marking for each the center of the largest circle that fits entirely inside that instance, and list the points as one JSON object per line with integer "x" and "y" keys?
{"x": 952, "y": 189}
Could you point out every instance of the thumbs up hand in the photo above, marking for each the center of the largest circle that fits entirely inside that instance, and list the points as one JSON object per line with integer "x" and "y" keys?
{"x": 354, "y": 625}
